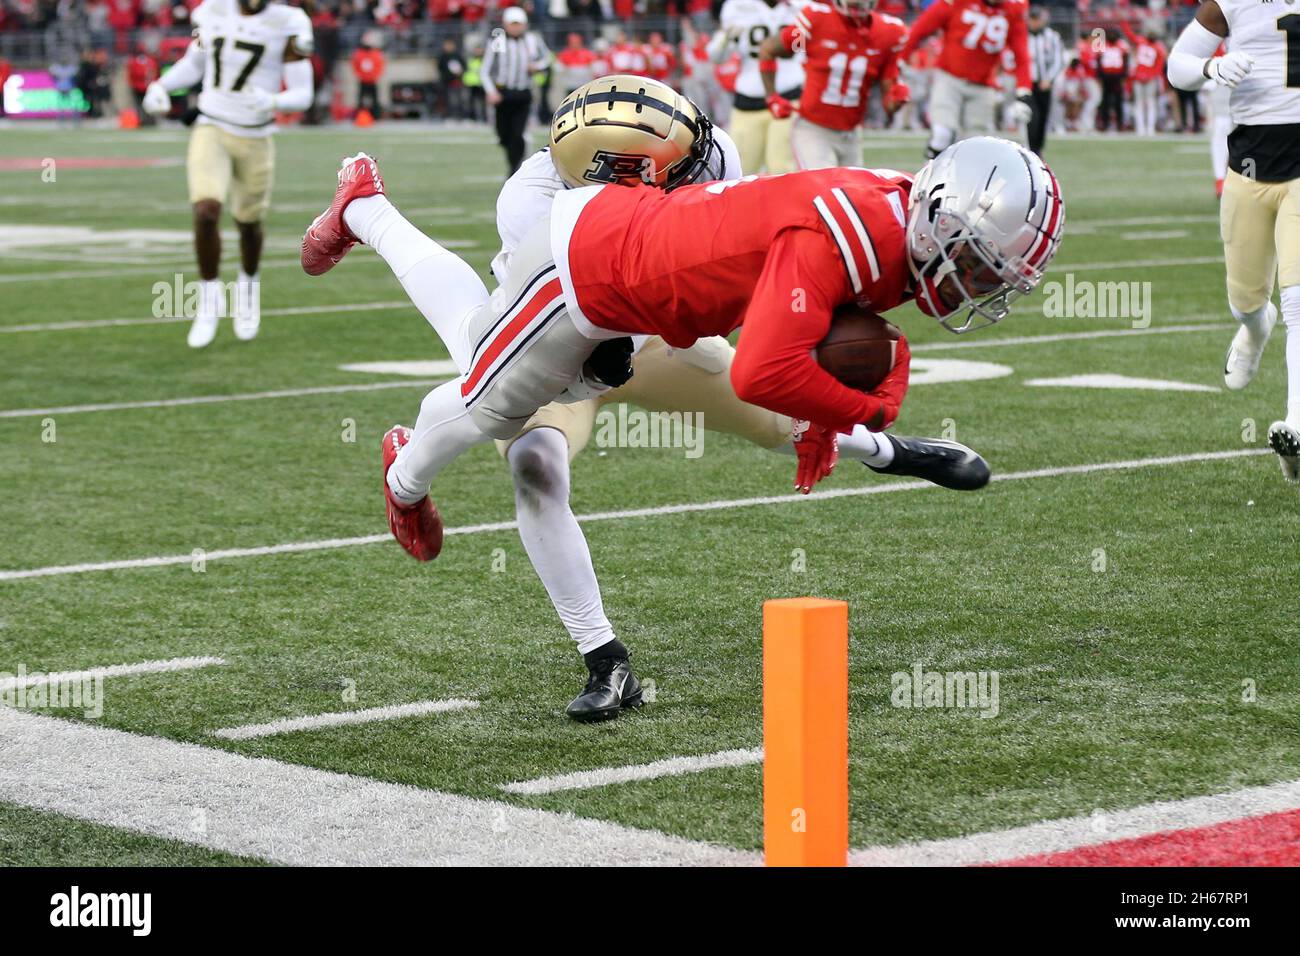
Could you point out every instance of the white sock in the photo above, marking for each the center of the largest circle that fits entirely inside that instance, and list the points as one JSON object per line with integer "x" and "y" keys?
{"x": 212, "y": 298}
{"x": 867, "y": 447}
{"x": 444, "y": 287}
{"x": 941, "y": 138}
{"x": 1291, "y": 316}
{"x": 442, "y": 433}
{"x": 860, "y": 445}
{"x": 539, "y": 463}
{"x": 1253, "y": 321}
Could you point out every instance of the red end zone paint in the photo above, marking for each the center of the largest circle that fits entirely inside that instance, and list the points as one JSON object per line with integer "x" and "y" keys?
{"x": 1272, "y": 840}
{"x": 27, "y": 163}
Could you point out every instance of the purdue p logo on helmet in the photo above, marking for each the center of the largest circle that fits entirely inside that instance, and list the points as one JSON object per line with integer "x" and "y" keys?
{"x": 629, "y": 129}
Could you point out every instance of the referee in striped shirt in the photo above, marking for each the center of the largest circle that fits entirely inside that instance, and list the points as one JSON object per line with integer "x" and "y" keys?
{"x": 1047, "y": 58}
{"x": 513, "y": 55}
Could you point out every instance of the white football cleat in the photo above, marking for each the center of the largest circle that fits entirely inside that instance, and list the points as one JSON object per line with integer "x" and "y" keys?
{"x": 248, "y": 310}
{"x": 202, "y": 331}
{"x": 1245, "y": 352}
{"x": 1285, "y": 440}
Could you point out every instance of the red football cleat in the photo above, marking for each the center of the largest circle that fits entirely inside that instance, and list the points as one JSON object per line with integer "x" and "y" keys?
{"x": 328, "y": 238}
{"x": 417, "y": 527}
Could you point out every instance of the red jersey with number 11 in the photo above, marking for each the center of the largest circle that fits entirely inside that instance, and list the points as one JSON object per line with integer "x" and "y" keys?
{"x": 844, "y": 59}
{"x": 776, "y": 254}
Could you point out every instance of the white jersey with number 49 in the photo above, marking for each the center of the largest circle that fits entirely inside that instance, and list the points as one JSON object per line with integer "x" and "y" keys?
{"x": 752, "y": 22}
{"x": 245, "y": 53}
{"x": 1270, "y": 33}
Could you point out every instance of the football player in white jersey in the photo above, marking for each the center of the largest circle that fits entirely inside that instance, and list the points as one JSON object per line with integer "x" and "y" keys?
{"x": 241, "y": 51}
{"x": 1259, "y": 216}
{"x": 762, "y": 134}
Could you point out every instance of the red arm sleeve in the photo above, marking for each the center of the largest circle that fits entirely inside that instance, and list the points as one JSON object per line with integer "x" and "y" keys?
{"x": 1019, "y": 41}
{"x": 932, "y": 19}
{"x": 789, "y": 313}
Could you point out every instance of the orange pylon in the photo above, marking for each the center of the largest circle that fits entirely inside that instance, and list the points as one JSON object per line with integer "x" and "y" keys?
{"x": 806, "y": 732}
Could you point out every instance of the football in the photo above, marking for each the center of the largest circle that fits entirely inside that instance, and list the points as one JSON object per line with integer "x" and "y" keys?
{"x": 859, "y": 348}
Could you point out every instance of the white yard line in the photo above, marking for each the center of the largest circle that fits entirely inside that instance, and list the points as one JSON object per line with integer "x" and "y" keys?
{"x": 1136, "y": 264}
{"x": 212, "y": 399}
{"x": 1006, "y": 341}
{"x": 604, "y": 776}
{"x": 652, "y": 512}
{"x": 1052, "y": 836}
{"x": 164, "y": 320}
{"x": 115, "y": 670}
{"x": 291, "y": 725}
{"x": 299, "y": 815}
{"x": 80, "y": 275}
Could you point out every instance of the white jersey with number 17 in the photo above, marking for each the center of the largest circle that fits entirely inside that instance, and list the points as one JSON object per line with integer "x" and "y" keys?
{"x": 1270, "y": 34}
{"x": 245, "y": 53}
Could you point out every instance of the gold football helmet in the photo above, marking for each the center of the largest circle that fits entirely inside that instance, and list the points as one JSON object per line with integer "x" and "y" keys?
{"x": 629, "y": 129}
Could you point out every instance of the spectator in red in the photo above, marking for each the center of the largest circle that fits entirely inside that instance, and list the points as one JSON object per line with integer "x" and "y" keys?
{"x": 661, "y": 60}
{"x": 626, "y": 56}
{"x": 368, "y": 66}
{"x": 123, "y": 16}
{"x": 574, "y": 64}
{"x": 5, "y": 72}
{"x": 1113, "y": 67}
{"x": 141, "y": 70}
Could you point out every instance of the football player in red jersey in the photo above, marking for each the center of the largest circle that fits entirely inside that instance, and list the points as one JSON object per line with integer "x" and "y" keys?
{"x": 848, "y": 49}
{"x": 776, "y": 256}
{"x": 1149, "y": 58}
{"x": 964, "y": 92}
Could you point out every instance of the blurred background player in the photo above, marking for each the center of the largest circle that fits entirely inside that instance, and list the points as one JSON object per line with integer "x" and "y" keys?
{"x": 242, "y": 50}
{"x": 514, "y": 53}
{"x": 963, "y": 90}
{"x": 1087, "y": 47}
{"x": 1259, "y": 215}
{"x": 848, "y": 50}
{"x": 1148, "y": 76}
{"x": 759, "y": 124}
{"x": 1113, "y": 68}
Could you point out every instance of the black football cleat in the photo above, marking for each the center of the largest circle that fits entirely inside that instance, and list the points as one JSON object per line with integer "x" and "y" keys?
{"x": 945, "y": 463}
{"x": 611, "y": 687}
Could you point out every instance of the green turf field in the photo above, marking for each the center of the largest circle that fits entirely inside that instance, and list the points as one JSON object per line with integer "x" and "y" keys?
{"x": 1129, "y": 612}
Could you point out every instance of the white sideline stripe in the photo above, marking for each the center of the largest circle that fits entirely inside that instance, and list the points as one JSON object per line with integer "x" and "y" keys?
{"x": 604, "y": 776}
{"x": 211, "y": 399}
{"x": 345, "y": 718}
{"x": 1070, "y": 336}
{"x": 167, "y": 319}
{"x": 653, "y": 512}
{"x": 1053, "y": 836}
{"x": 299, "y": 815}
{"x": 114, "y": 670}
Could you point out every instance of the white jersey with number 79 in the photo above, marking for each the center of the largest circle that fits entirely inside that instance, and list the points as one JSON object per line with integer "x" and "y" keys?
{"x": 245, "y": 53}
